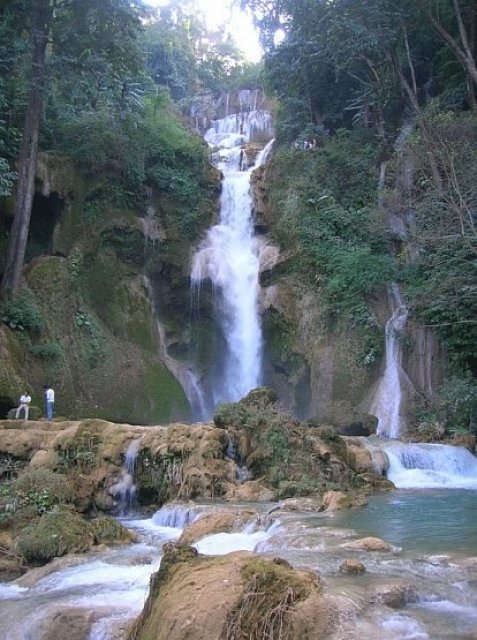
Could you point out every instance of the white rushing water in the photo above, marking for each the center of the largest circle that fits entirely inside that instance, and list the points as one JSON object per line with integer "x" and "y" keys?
{"x": 230, "y": 255}
{"x": 431, "y": 466}
{"x": 108, "y": 589}
{"x": 125, "y": 489}
{"x": 387, "y": 402}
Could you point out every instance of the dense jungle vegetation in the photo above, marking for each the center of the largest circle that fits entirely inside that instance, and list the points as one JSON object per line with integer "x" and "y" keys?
{"x": 387, "y": 92}
{"x": 375, "y": 85}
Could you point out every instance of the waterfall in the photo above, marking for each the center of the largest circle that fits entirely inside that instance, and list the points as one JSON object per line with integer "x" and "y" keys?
{"x": 430, "y": 466}
{"x": 230, "y": 254}
{"x": 125, "y": 490}
{"x": 387, "y": 402}
{"x": 186, "y": 377}
{"x": 176, "y": 515}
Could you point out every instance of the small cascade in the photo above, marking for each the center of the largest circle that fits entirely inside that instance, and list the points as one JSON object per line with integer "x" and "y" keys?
{"x": 242, "y": 473}
{"x": 387, "y": 403}
{"x": 431, "y": 466}
{"x": 125, "y": 490}
{"x": 229, "y": 257}
{"x": 176, "y": 515}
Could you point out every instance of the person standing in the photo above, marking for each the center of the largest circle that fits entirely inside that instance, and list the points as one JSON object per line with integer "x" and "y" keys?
{"x": 49, "y": 402}
{"x": 25, "y": 400}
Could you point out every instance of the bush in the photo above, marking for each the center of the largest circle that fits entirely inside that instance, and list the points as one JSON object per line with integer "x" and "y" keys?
{"x": 454, "y": 407}
{"x": 47, "y": 350}
{"x": 21, "y": 313}
{"x": 42, "y": 489}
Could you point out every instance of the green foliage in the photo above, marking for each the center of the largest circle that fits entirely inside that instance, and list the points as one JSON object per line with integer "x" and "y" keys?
{"x": 79, "y": 453}
{"x": 107, "y": 530}
{"x": 42, "y": 489}
{"x": 22, "y": 313}
{"x": 326, "y": 196}
{"x": 47, "y": 350}
{"x": 279, "y": 444}
{"x": 454, "y": 407}
{"x": 56, "y": 533}
{"x": 441, "y": 279}
{"x": 96, "y": 340}
{"x": 7, "y": 178}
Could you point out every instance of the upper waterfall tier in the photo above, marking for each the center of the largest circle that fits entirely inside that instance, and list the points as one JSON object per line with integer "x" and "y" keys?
{"x": 240, "y": 128}
{"x": 206, "y": 111}
{"x": 229, "y": 257}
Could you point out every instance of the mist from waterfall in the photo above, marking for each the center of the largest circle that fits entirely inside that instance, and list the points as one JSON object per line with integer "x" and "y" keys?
{"x": 230, "y": 254}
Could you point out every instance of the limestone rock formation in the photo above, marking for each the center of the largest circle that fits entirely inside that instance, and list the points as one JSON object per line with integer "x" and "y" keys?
{"x": 252, "y": 596}
{"x": 369, "y": 544}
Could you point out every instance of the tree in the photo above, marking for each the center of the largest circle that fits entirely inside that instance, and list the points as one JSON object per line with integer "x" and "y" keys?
{"x": 72, "y": 29}
{"x": 458, "y": 32}
{"x": 41, "y": 19}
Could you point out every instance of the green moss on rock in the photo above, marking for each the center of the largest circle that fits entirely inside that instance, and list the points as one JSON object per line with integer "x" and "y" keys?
{"x": 55, "y": 534}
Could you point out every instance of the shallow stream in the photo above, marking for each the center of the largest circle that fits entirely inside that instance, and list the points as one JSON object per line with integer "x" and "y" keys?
{"x": 434, "y": 534}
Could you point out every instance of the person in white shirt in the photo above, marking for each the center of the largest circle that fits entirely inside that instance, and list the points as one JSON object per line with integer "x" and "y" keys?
{"x": 49, "y": 402}
{"x": 25, "y": 400}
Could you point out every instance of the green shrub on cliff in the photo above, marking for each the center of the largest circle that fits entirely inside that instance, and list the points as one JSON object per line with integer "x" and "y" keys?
{"x": 279, "y": 449}
{"x": 42, "y": 489}
{"x": 21, "y": 313}
{"x": 327, "y": 197}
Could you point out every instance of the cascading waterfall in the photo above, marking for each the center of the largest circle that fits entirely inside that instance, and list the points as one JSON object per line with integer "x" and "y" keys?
{"x": 386, "y": 405}
{"x": 230, "y": 255}
{"x": 431, "y": 466}
{"x": 125, "y": 489}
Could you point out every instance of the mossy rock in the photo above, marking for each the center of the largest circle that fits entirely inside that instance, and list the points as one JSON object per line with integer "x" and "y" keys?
{"x": 54, "y": 534}
{"x": 107, "y": 530}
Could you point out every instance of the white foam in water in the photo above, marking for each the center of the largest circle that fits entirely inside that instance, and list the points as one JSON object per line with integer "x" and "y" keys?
{"x": 401, "y": 627}
{"x": 431, "y": 466}
{"x": 176, "y": 516}
{"x": 452, "y": 609}
{"x": 98, "y": 575}
{"x": 8, "y": 591}
{"x": 222, "y": 543}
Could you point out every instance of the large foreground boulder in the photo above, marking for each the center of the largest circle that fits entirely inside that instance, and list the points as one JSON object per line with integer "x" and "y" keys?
{"x": 240, "y": 595}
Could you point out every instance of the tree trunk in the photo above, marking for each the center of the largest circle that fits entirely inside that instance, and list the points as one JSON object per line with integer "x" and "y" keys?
{"x": 462, "y": 50}
{"x": 28, "y": 151}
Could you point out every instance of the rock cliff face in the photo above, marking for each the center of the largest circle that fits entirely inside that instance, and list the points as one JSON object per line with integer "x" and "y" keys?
{"x": 110, "y": 285}
{"x": 322, "y": 368}
{"x": 102, "y": 460}
{"x": 107, "y": 287}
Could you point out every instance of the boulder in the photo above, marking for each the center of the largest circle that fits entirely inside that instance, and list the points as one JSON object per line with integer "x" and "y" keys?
{"x": 238, "y": 595}
{"x": 251, "y": 491}
{"x": 337, "y": 501}
{"x": 219, "y": 522}
{"x": 353, "y": 566}
{"x": 368, "y": 544}
{"x": 395, "y": 595}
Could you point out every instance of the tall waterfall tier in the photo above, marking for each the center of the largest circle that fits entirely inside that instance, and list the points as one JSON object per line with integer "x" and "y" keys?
{"x": 229, "y": 257}
{"x": 387, "y": 401}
